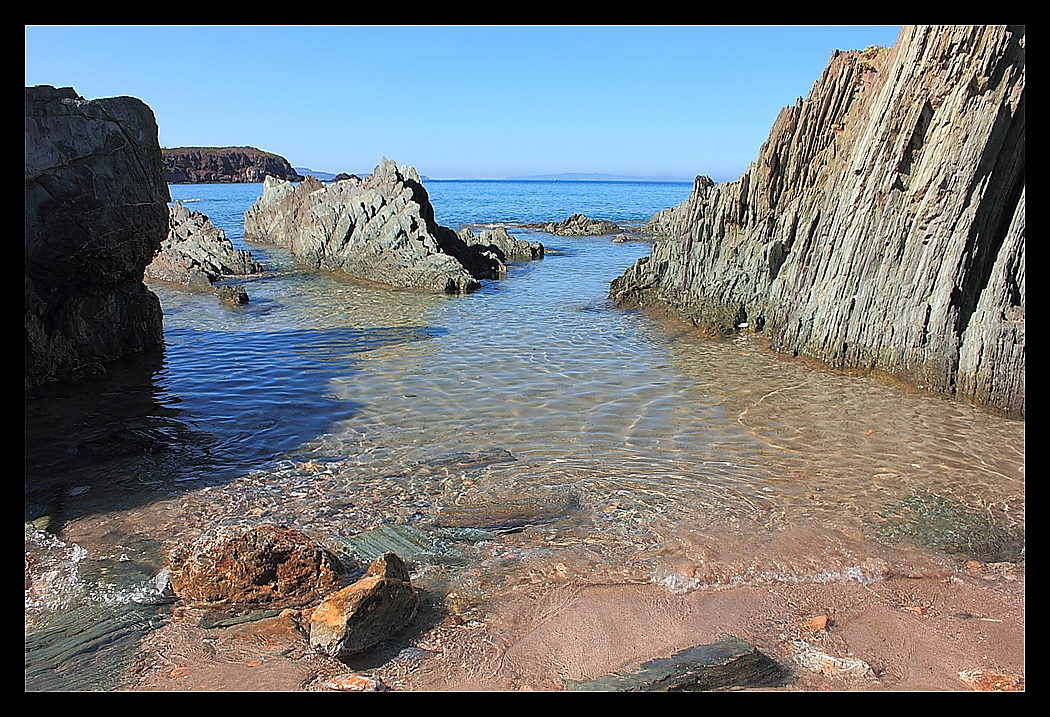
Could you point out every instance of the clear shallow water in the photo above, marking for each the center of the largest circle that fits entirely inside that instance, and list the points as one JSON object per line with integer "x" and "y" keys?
{"x": 587, "y": 442}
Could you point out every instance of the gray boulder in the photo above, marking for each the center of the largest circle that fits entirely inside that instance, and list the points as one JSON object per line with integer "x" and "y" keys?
{"x": 196, "y": 252}
{"x": 379, "y": 229}
{"x": 96, "y": 212}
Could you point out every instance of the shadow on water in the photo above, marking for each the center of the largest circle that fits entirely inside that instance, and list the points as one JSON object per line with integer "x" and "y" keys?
{"x": 238, "y": 400}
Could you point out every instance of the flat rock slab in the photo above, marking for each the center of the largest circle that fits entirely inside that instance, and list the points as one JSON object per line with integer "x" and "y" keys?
{"x": 730, "y": 662}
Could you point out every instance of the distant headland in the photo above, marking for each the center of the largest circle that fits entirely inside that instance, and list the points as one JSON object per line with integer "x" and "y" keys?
{"x": 224, "y": 165}
{"x": 595, "y": 177}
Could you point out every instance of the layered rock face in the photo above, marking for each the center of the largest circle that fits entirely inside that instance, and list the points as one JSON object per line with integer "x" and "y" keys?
{"x": 196, "y": 252}
{"x": 96, "y": 211}
{"x": 379, "y": 229}
{"x": 224, "y": 165}
{"x": 882, "y": 225}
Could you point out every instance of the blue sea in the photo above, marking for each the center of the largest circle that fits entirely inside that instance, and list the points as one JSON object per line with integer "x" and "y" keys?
{"x": 572, "y": 436}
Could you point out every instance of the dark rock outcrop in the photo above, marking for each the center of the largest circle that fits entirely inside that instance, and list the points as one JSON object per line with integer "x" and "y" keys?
{"x": 367, "y": 612}
{"x": 196, "y": 252}
{"x": 243, "y": 566}
{"x": 578, "y": 225}
{"x": 96, "y": 212}
{"x": 224, "y": 165}
{"x": 380, "y": 229}
{"x": 501, "y": 244}
{"x": 730, "y": 662}
{"x": 882, "y": 225}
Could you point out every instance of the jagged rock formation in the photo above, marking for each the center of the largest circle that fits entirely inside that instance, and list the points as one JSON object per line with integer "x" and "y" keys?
{"x": 379, "y": 229}
{"x": 882, "y": 225}
{"x": 224, "y": 165}
{"x": 579, "y": 225}
{"x": 196, "y": 252}
{"x": 96, "y": 211}
{"x": 498, "y": 244}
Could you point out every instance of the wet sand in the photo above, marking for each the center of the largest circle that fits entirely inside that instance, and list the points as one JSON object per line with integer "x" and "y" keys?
{"x": 923, "y": 623}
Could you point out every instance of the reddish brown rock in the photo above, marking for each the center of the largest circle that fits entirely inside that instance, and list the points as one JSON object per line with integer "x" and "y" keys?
{"x": 367, "y": 612}
{"x": 991, "y": 681}
{"x": 354, "y": 683}
{"x": 251, "y": 565}
{"x": 211, "y": 165}
{"x": 816, "y": 624}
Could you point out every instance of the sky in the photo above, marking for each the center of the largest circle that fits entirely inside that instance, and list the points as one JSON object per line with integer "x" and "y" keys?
{"x": 459, "y": 102}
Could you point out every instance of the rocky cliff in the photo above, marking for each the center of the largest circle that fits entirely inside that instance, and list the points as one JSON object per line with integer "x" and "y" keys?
{"x": 197, "y": 253}
{"x": 96, "y": 211}
{"x": 224, "y": 165}
{"x": 379, "y": 229}
{"x": 882, "y": 225}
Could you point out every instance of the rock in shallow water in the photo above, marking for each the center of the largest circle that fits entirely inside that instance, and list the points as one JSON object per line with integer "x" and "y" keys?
{"x": 381, "y": 229}
{"x": 730, "y": 662}
{"x": 367, "y": 612}
{"x": 197, "y": 253}
{"x": 242, "y": 565}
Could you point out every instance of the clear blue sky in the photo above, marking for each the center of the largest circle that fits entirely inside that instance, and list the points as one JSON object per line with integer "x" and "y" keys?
{"x": 458, "y": 102}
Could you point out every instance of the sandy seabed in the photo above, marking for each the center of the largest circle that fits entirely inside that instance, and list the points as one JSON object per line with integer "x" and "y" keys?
{"x": 924, "y": 628}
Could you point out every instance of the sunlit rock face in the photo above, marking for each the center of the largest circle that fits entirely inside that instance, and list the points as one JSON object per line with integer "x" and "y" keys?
{"x": 882, "y": 224}
{"x": 380, "y": 229}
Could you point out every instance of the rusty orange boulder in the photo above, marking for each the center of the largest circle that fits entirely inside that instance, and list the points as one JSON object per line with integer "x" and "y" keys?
{"x": 244, "y": 565}
{"x": 367, "y": 612}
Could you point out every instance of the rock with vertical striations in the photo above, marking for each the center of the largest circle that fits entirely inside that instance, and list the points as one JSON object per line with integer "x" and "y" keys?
{"x": 882, "y": 225}
{"x": 380, "y": 229}
{"x": 96, "y": 212}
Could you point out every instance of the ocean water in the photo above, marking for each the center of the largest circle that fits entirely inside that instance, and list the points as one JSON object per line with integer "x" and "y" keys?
{"x": 528, "y": 433}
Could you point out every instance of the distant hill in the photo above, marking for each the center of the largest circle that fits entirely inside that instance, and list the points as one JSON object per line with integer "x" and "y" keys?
{"x": 323, "y": 176}
{"x": 223, "y": 165}
{"x": 595, "y": 177}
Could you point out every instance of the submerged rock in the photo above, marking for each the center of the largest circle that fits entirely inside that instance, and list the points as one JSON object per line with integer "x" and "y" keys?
{"x": 882, "y": 225}
{"x": 815, "y": 660}
{"x": 197, "y": 253}
{"x": 95, "y": 214}
{"x": 367, "y": 612}
{"x": 232, "y": 294}
{"x": 730, "y": 662}
{"x": 242, "y": 565}
{"x": 380, "y": 229}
